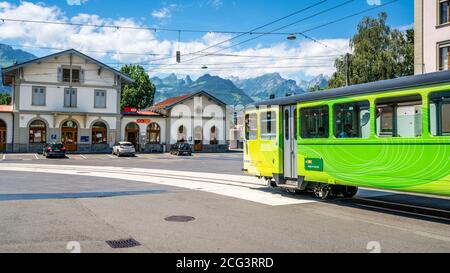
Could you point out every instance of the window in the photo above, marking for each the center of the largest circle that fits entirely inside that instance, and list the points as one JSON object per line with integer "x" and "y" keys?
{"x": 38, "y": 96}
{"x": 181, "y": 136}
{"x": 444, "y": 57}
{"x": 213, "y": 136}
{"x": 250, "y": 126}
{"x": 399, "y": 117}
{"x": 314, "y": 122}
{"x": 71, "y": 75}
{"x": 268, "y": 125}
{"x": 99, "y": 133}
{"x": 352, "y": 120}
{"x": 153, "y": 133}
{"x": 444, "y": 11}
{"x": 440, "y": 113}
{"x": 70, "y": 97}
{"x": 66, "y": 75}
{"x": 286, "y": 124}
{"x": 100, "y": 99}
{"x": 37, "y": 132}
{"x": 75, "y": 75}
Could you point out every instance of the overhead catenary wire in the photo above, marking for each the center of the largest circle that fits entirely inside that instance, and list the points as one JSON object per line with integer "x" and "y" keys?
{"x": 154, "y": 29}
{"x": 277, "y": 29}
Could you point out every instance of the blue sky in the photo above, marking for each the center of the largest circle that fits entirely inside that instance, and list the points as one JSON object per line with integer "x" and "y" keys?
{"x": 232, "y": 15}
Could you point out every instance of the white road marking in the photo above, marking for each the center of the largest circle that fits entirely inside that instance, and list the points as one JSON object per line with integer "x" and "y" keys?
{"x": 35, "y": 155}
{"x": 111, "y": 156}
{"x": 236, "y": 186}
{"x": 83, "y": 157}
{"x": 4, "y": 156}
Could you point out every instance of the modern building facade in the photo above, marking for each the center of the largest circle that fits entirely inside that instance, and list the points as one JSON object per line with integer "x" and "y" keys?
{"x": 72, "y": 98}
{"x": 432, "y": 35}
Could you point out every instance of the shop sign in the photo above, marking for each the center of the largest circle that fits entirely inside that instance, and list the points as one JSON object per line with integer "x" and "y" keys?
{"x": 143, "y": 120}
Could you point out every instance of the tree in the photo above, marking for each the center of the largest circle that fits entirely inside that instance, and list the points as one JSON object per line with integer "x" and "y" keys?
{"x": 139, "y": 94}
{"x": 5, "y": 99}
{"x": 378, "y": 53}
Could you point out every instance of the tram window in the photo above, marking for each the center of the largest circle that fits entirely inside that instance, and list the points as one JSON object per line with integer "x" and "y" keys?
{"x": 250, "y": 126}
{"x": 440, "y": 113}
{"x": 352, "y": 120}
{"x": 314, "y": 122}
{"x": 399, "y": 117}
{"x": 268, "y": 125}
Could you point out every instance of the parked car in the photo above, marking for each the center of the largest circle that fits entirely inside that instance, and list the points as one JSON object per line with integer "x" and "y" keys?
{"x": 124, "y": 148}
{"x": 54, "y": 150}
{"x": 181, "y": 149}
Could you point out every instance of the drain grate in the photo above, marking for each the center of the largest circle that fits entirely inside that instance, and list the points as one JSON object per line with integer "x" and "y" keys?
{"x": 124, "y": 243}
{"x": 179, "y": 218}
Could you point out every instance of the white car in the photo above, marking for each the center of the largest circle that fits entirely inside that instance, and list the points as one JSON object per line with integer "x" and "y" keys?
{"x": 123, "y": 148}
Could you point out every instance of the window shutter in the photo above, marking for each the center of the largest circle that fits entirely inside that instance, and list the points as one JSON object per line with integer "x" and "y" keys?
{"x": 74, "y": 98}
{"x": 59, "y": 74}
{"x": 81, "y": 75}
{"x": 67, "y": 97}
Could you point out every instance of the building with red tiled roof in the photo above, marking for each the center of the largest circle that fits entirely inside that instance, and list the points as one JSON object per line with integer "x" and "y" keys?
{"x": 78, "y": 104}
{"x": 197, "y": 118}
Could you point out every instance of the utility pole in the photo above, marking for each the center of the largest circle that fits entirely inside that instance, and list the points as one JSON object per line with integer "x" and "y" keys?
{"x": 347, "y": 69}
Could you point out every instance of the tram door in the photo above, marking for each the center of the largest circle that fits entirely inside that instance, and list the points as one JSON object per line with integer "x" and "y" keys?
{"x": 290, "y": 142}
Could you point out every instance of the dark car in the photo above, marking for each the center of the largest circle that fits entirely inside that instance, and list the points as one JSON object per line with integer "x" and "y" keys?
{"x": 181, "y": 149}
{"x": 54, "y": 150}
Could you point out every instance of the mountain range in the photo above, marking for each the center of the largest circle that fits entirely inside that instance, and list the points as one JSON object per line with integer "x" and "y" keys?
{"x": 236, "y": 91}
{"x": 232, "y": 90}
{"x": 10, "y": 56}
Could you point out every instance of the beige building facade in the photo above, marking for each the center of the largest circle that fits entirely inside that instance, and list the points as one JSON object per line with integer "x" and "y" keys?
{"x": 432, "y": 35}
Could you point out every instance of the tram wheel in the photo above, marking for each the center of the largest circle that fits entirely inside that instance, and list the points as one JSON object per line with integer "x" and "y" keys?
{"x": 349, "y": 191}
{"x": 271, "y": 183}
{"x": 322, "y": 192}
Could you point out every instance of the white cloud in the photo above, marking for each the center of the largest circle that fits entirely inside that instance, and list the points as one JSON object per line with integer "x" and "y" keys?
{"x": 88, "y": 39}
{"x": 162, "y": 13}
{"x": 215, "y": 3}
{"x": 374, "y": 2}
{"x": 165, "y": 12}
{"x": 76, "y": 2}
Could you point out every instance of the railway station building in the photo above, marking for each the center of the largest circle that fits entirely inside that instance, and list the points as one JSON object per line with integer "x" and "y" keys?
{"x": 72, "y": 98}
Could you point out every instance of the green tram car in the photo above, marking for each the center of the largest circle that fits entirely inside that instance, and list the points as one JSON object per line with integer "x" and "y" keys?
{"x": 391, "y": 135}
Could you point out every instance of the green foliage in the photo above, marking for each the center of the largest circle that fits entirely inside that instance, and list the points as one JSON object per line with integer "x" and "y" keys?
{"x": 316, "y": 88}
{"x": 5, "y": 99}
{"x": 379, "y": 53}
{"x": 139, "y": 94}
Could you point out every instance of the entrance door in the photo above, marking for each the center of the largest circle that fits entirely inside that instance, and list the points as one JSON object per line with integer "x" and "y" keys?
{"x": 133, "y": 138}
{"x": 132, "y": 134}
{"x": 69, "y": 139}
{"x": 290, "y": 142}
{"x": 198, "y": 139}
{"x": 69, "y": 135}
{"x": 2, "y": 136}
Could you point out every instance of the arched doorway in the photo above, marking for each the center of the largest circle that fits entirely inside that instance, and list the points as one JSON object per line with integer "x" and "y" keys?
{"x": 213, "y": 137}
{"x": 153, "y": 133}
{"x": 99, "y": 133}
{"x": 198, "y": 138}
{"x": 2, "y": 136}
{"x": 69, "y": 135}
{"x": 132, "y": 134}
{"x": 37, "y": 132}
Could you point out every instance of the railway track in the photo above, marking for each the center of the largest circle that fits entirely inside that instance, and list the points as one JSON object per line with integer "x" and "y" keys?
{"x": 439, "y": 213}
